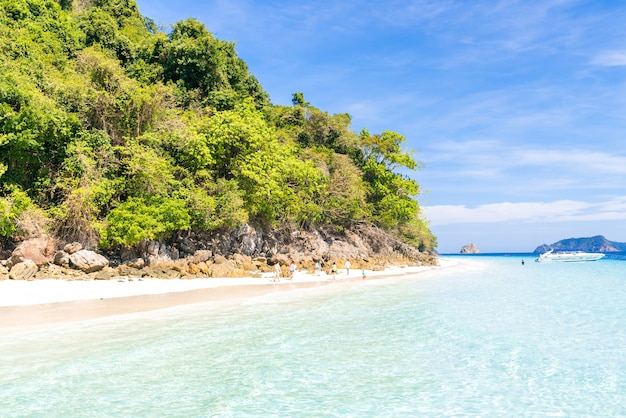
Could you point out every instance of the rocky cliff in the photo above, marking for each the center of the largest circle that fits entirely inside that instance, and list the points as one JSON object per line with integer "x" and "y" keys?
{"x": 244, "y": 251}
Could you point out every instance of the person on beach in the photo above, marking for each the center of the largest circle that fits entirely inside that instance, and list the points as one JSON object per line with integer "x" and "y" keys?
{"x": 292, "y": 270}
{"x": 363, "y": 273}
{"x": 333, "y": 269}
{"x": 277, "y": 272}
{"x": 318, "y": 267}
{"x": 348, "y": 268}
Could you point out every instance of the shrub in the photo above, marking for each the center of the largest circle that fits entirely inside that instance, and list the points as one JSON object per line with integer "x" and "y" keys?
{"x": 139, "y": 219}
{"x": 11, "y": 208}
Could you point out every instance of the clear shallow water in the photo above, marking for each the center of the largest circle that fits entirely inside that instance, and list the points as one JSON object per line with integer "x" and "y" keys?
{"x": 493, "y": 338}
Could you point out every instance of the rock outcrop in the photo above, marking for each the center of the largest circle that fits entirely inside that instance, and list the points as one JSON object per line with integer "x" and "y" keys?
{"x": 243, "y": 251}
{"x": 470, "y": 248}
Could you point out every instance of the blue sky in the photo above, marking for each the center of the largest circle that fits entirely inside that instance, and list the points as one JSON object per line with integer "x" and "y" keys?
{"x": 516, "y": 108}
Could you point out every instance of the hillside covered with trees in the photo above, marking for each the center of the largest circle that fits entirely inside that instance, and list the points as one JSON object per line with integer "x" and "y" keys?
{"x": 113, "y": 132}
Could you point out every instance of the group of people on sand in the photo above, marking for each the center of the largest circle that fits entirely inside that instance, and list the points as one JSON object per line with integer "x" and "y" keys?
{"x": 318, "y": 270}
{"x": 277, "y": 271}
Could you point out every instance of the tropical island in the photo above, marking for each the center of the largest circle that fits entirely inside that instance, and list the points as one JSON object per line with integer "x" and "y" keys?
{"x": 129, "y": 150}
{"x": 593, "y": 244}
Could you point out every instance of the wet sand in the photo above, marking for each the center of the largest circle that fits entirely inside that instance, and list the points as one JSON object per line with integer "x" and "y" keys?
{"x": 69, "y": 311}
{"x": 47, "y": 301}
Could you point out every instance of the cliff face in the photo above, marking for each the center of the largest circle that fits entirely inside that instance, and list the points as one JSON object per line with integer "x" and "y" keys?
{"x": 363, "y": 244}
{"x": 470, "y": 248}
{"x": 243, "y": 251}
{"x": 596, "y": 244}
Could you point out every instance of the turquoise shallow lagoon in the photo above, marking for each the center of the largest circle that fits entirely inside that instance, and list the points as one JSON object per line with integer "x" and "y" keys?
{"x": 487, "y": 337}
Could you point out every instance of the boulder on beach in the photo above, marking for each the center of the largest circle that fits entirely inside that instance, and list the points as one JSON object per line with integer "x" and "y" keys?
{"x": 40, "y": 250}
{"x": 88, "y": 261}
{"x": 73, "y": 247}
{"x": 61, "y": 258}
{"x": 23, "y": 271}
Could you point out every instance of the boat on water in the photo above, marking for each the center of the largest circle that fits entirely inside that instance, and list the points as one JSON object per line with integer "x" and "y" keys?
{"x": 568, "y": 256}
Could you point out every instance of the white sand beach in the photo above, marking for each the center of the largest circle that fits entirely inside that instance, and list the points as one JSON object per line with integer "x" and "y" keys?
{"x": 26, "y": 303}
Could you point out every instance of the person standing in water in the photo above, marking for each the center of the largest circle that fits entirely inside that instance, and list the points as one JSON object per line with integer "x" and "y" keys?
{"x": 348, "y": 268}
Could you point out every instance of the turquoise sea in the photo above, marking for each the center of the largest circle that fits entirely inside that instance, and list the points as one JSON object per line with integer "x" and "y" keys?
{"x": 488, "y": 337}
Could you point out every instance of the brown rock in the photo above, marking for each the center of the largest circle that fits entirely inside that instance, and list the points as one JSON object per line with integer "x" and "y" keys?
{"x": 243, "y": 261}
{"x": 88, "y": 261}
{"x": 51, "y": 271}
{"x": 200, "y": 269}
{"x": 126, "y": 270}
{"x": 23, "y": 271}
{"x": 4, "y": 272}
{"x": 39, "y": 250}
{"x": 157, "y": 253}
{"x": 136, "y": 263}
{"x": 220, "y": 259}
{"x": 106, "y": 273}
{"x": 226, "y": 269}
{"x": 73, "y": 247}
{"x": 159, "y": 272}
{"x": 62, "y": 258}
{"x": 201, "y": 256}
{"x": 180, "y": 266}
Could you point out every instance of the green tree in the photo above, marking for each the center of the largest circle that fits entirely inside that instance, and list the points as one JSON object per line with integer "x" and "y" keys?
{"x": 114, "y": 102}
{"x": 297, "y": 99}
{"x": 139, "y": 219}
{"x": 117, "y": 26}
{"x": 245, "y": 150}
{"x": 386, "y": 149}
{"x": 147, "y": 170}
{"x": 187, "y": 145}
{"x": 198, "y": 61}
{"x": 214, "y": 205}
{"x": 391, "y": 195}
{"x": 33, "y": 130}
{"x": 346, "y": 202}
{"x": 12, "y": 205}
{"x": 331, "y": 131}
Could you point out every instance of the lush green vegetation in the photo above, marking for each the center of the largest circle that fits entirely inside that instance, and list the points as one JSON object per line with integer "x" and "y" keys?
{"x": 119, "y": 132}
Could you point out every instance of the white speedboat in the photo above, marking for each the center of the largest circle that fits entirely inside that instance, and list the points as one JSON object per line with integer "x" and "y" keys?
{"x": 568, "y": 256}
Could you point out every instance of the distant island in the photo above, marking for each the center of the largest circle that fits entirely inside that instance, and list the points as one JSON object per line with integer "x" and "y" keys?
{"x": 592, "y": 244}
{"x": 470, "y": 248}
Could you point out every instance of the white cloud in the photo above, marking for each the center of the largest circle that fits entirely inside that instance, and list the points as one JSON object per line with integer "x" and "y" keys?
{"x": 478, "y": 159}
{"x": 610, "y": 59}
{"x": 593, "y": 161}
{"x": 557, "y": 211}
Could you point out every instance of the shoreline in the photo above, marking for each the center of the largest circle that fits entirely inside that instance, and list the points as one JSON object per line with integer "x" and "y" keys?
{"x": 48, "y": 301}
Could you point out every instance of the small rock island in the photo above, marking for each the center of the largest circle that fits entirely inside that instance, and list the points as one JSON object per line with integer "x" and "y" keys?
{"x": 470, "y": 248}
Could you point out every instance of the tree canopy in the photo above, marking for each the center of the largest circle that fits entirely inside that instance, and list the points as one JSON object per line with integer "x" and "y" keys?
{"x": 117, "y": 133}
